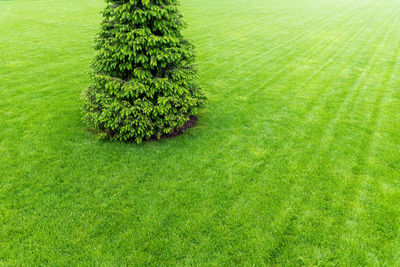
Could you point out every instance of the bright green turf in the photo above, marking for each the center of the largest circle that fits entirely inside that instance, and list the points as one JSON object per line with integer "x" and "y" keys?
{"x": 295, "y": 161}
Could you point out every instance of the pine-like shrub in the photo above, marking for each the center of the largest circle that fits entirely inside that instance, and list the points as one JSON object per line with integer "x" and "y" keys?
{"x": 143, "y": 79}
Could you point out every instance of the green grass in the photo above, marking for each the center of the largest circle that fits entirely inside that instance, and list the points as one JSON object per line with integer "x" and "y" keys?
{"x": 295, "y": 160}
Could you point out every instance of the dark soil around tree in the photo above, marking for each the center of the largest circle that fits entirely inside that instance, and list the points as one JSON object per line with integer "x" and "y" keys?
{"x": 179, "y": 131}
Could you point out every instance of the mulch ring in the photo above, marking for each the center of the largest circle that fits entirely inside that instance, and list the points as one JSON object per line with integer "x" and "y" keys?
{"x": 179, "y": 131}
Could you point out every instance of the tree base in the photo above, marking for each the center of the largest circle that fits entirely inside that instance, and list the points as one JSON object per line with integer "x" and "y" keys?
{"x": 179, "y": 131}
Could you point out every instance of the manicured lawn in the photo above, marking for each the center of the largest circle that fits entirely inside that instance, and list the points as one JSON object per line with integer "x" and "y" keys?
{"x": 296, "y": 159}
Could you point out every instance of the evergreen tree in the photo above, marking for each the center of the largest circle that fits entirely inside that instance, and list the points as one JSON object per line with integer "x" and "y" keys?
{"x": 143, "y": 79}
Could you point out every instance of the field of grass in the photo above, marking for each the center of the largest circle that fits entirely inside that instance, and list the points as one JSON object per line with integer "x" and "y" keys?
{"x": 296, "y": 159}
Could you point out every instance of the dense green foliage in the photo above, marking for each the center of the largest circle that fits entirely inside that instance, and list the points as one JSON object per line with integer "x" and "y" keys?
{"x": 295, "y": 161}
{"x": 143, "y": 78}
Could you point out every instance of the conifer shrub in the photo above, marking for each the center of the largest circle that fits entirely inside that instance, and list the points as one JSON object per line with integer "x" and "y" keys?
{"x": 143, "y": 79}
